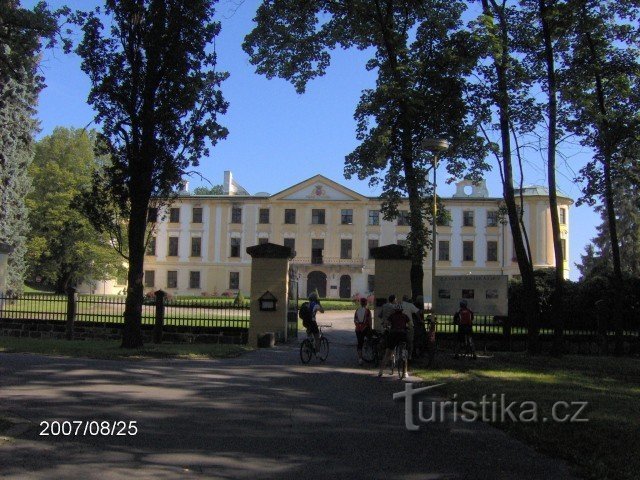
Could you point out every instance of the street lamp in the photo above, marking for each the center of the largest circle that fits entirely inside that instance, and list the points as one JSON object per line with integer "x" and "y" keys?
{"x": 436, "y": 146}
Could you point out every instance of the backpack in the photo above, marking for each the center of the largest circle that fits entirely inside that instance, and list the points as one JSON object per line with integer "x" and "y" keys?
{"x": 305, "y": 314}
{"x": 466, "y": 317}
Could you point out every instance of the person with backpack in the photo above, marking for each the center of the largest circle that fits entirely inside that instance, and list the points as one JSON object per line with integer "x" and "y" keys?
{"x": 362, "y": 322}
{"x": 464, "y": 319}
{"x": 307, "y": 313}
{"x": 398, "y": 324}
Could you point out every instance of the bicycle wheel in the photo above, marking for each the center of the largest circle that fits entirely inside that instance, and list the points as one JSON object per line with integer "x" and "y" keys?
{"x": 402, "y": 359}
{"x": 323, "y": 353}
{"x": 369, "y": 350}
{"x": 306, "y": 350}
{"x": 394, "y": 359}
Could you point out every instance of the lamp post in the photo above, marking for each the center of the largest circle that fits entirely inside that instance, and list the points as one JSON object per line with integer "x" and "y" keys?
{"x": 436, "y": 146}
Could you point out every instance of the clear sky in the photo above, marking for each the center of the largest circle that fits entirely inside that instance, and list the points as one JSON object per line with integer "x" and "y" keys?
{"x": 276, "y": 137}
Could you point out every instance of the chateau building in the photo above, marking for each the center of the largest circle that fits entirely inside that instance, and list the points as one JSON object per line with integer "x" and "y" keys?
{"x": 199, "y": 245}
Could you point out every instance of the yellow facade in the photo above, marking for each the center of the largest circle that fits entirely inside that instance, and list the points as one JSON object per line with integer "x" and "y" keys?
{"x": 333, "y": 229}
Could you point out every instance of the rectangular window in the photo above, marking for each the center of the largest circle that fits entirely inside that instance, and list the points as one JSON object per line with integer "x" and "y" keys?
{"x": 345, "y": 248}
{"x": 467, "y": 251}
{"x": 196, "y": 215}
{"x": 374, "y": 217}
{"x": 172, "y": 279}
{"x": 263, "y": 240}
{"x": 317, "y": 216}
{"x": 151, "y": 246}
{"x": 346, "y": 216}
{"x": 468, "y": 293}
{"x": 236, "y": 214}
{"x": 263, "y": 217}
{"x": 173, "y": 247}
{"x": 149, "y": 278}
{"x": 174, "y": 215}
{"x": 371, "y": 282}
{"x": 152, "y": 215}
{"x": 492, "y": 251}
{"x": 235, "y": 247}
{"x": 291, "y": 243}
{"x": 290, "y": 216}
{"x": 403, "y": 217}
{"x": 443, "y": 293}
{"x": 443, "y": 250}
{"x": 317, "y": 248}
{"x": 373, "y": 244}
{"x": 234, "y": 280}
{"x": 467, "y": 218}
{"x": 196, "y": 246}
{"x": 194, "y": 279}
{"x": 492, "y": 218}
{"x": 491, "y": 294}
{"x": 563, "y": 216}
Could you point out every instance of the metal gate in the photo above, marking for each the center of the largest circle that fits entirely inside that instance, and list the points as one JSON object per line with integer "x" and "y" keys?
{"x": 292, "y": 308}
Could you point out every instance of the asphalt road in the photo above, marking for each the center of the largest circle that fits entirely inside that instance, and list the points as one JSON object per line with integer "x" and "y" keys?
{"x": 262, "y": 415}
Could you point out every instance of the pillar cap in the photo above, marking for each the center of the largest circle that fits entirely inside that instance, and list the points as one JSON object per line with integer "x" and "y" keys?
{"x": 270, "y": 250}
{"x": 390, "y": 252}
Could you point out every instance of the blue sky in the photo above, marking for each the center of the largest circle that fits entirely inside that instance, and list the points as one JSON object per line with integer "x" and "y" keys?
{"x": 278, "y": 138}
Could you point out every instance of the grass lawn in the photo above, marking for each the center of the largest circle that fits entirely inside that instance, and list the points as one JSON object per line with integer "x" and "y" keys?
{"x": 605, "y": 447}
{"x": 111, "y": 350}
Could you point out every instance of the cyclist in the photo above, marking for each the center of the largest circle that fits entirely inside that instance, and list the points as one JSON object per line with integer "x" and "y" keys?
{"x": 315, "y": 307}
{"x": 464, "y": 320}
{"x": 398, "y": 324}
{"x": 362, "y": 322}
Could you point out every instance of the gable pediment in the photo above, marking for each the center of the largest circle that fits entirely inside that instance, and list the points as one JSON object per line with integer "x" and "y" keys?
{"x": 319, "y": 188}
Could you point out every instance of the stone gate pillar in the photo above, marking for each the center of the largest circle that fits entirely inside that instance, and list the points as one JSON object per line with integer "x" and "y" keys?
{"x": 5, "y": 250}
{"x": 269, "y": 277}
{"x": 392, "y": 273}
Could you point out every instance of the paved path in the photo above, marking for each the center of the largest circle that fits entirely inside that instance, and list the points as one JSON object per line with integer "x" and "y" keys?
{"x": 262, "y": 415}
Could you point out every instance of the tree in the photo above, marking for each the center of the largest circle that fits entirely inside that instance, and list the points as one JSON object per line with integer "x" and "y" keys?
{"x": 421, "y": 56}
{"x": 64, "y": 248}
{"x": 157, "y": 97}
{"x": 214, "y": 190}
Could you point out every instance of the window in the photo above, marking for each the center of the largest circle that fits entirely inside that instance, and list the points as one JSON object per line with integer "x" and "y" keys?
{"x": 444, "y": 293}
{"x": 373, "y": 244}
{"x": 151, "y": 246}
{"x": 149, "y": 278}
{"x": 263, "y": 217}
{"x": 467, "y": 218}
{"x": 346, "y": 216}
{"x": 317, "y": 216}
{"x": 374, "y": 217}
{"x": 234, "y": 280}
{"x": 467, "y": 251}
{"x": 291, "y": 243}
{"x": 196, "y": 215}
{"x": 492, "y": 218}
{"x": 444, "y": 219}
{"x": 174, "y": 215}
{"x": 468, "y": 293}
{"x": 152, "y": 215}
{"x": 345, "y": 248}
{"x": 563, "y": 216}
{"x": 236, "y": 214}
{"x": 263, "y": 240}
{"x": 317, "y": 247}
{"x": 290, "y": 216}
{"x": 172, "y": 279}
{"x": 235, "y": 247}
{"x": 196, "y": 246}
{"x": 173, "y": 247}
{"x": 403, "y": 217}
{"x": 371, "y": 279}
{"x": 491, "y": 294}
{"x": 443, "y": 250}
{"x": 194, "y": 279}
{"x": 492, "y": 251}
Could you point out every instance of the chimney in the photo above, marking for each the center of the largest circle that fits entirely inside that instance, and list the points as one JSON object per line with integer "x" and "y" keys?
{"x": 227, "y": 186}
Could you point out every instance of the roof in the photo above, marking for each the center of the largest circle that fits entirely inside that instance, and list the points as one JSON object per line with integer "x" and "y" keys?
{"x": 539, "y": 191}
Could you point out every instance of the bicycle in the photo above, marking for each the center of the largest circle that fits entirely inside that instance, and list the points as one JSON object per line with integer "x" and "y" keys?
{"x": 400, "y": 360}
{"x": 468, "y": 349}
{"x": 371, "y": 348}
{"x": 308, "y": 346}
{"x": 425, "y": 340}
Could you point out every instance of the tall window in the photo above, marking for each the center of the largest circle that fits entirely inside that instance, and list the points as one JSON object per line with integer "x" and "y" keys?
{"x": 403, "y": 217}
{"x": 172, "y": 279}
{"x": 317, "y": 216}
{"x": 492, "y": 251}
{"x": 467, "y": 251}
{"x": 563, "y": 216}
{"x": 263, "y": 240}
{"x": 173, "y": 247}
{"x": 152, "y": 215}
{"x": 467, "y": 218}
{"x": 196, "y": 215}
{"x": 371, "y": 282}
{"x": 174, "y": 215}
{"x": 443, "y": 250}
{"x": 346, "y": 216}
{"x": 291, "y": 243}
{"x": 492, "y": 218}
{"x": 151, "y": 247}
{"x": 263, "y": 217}
{"x": 234, "y": 280}
{"x": 235, "y": 247}
{"x": 317, "y": 247}
{"x": 374, "y": 217}
{"x": 345, "y": 248}
{"x": 196, "y": 246}
{"x": 194, "y": 279}
{"x": 149, "y": 278}
{"x": 290, "y": 216}
{"x": 236, "y": 214}
{"x": 373, "y": 243}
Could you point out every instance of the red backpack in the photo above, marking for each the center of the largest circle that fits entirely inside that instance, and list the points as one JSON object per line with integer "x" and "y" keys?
{"x": 466, "y": 316}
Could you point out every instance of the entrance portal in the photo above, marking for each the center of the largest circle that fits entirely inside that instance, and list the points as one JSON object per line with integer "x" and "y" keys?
{"x": 345, "y": 286}
{"x": 317, "y": 280}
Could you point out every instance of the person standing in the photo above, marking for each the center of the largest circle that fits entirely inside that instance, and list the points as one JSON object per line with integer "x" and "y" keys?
{"x": 411, "y": 311}
{"x": 398, "y": 323}
{"x": 464, "y": 320}
{"x": 362, "y": 322}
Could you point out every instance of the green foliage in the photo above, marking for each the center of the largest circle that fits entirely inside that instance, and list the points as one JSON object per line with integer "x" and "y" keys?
{"x": 214, "y": 190}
